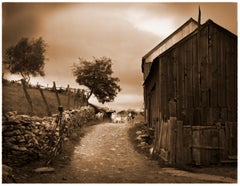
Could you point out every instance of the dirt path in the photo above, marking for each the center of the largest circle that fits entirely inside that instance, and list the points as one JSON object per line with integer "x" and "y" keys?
{"x": 105, "y": 155}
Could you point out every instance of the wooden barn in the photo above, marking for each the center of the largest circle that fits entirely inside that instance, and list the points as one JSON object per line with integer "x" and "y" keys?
{"x": 190, "y": 94}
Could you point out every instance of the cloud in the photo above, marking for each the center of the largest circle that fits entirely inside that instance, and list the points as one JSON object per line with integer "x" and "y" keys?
{"x": 122, "y": 31}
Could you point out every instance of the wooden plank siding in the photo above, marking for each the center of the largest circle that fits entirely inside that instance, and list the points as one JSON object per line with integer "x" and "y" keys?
{"x": 200, "y": 73}
{"x": 224, "y": 74}
{"x": 191, "y": 94}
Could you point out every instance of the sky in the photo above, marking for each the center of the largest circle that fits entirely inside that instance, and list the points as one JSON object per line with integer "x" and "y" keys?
{"x": 123, "y": 31}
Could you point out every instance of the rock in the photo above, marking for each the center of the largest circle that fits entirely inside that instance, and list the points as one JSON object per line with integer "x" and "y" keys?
{"x": 44, "y": 169}
{"x": 12, "y": 133}
{"x": 6, "y": 170}
{"x": 7, "y": 176}
{"x": 139, "y": 138}
{"x": 15, "y": 147}
{"x": 74, "y": 136}
{"x": 23, "y": 135}
{"x": 142, "y": 144}
{"x": 144, "y": 136}
{"x": 139, "y": 132}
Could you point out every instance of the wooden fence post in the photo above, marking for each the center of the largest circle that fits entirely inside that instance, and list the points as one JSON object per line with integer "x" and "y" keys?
{"x": 75, "y": 98}
{"x": 68, "y": 93}
{"x": 55, "y": 90}
{"x": 44, "y": 100}
{"x": 27, "y": 95}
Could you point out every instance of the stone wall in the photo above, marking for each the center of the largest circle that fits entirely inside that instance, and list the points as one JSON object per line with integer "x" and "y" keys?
{"x": 26, "y": 138}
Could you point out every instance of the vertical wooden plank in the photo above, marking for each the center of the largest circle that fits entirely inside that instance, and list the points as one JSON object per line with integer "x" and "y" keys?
{"x": 227, "y": 138}
{"x": 209, "y": 73}
{"x": 187, "y": 144}
{"x": 198, "y": 81}
{"x": 214, "y": 51}
{"x": 160, "y": 134}
{"x": 177, "y": 82}
{"x": 181, "y": 85}
{"x": 233, "y": 81}
{"x": 228, "y": 74}
{"x": 196, "y": 142}
{"x": 202, "y": 143}
{"x": 223, "y": 154}
{"x": 235, "y": 90}
{"x": 218, "y": 44}
{"x": 234, "y": 138}
{"x": 185, "y": 82}
{"x": 174, "y": 75}
{"x": 164, "y": 88}
{"x": 203, "y": 72}
{"x": 27, "y": 96}
{"x": 190, "y": 82}
{"x": 44, "y": 101}
{"x": 210, "y": 118}
{"x": 160, "y": 89}
{"x": 170, "y": 77}
{"x": 179, "y": 149}
{"x": 224, "y": 40}
{"x": 172, "y": 142}
{"x": 194, "y": 73}
{"x": 56, "y": 93}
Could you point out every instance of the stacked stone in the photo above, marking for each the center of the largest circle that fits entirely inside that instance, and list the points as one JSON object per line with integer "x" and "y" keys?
{"x": 27, "y": 138}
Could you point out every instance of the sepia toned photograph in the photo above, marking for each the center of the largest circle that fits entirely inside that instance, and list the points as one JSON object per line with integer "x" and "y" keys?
{"x": 119, "y": 92}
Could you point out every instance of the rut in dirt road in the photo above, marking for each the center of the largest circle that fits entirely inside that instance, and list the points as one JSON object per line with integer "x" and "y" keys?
{"x": 106, "y": 155}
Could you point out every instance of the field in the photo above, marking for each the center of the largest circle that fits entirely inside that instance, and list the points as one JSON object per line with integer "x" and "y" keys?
{"x": 13, "y": 99}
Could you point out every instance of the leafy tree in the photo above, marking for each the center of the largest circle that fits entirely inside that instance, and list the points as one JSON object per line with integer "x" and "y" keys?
{"x": 96, "y": 75}
{"x": 26, "y": 58}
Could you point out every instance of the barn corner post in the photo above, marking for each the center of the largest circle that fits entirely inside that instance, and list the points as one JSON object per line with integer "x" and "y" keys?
{"x": 27, "y": 96}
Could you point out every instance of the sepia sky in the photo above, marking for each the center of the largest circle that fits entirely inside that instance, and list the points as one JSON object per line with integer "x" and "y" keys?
{"x": 122, "y": 31}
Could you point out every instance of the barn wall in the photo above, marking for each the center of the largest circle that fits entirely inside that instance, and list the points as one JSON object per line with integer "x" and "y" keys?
{"x": 151, "y": 99}
{"x": 195, "y": 98}
{"x": 223, "y": 50}
{"x": 200, "y": 74}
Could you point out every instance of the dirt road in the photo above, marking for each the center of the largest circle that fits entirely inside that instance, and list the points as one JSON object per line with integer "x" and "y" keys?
{"x": 105, "y": 155}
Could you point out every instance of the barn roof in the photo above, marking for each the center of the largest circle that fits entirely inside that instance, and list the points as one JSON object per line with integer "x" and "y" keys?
{"x": 209, "y": 21}
{"x": 191, "y": 25}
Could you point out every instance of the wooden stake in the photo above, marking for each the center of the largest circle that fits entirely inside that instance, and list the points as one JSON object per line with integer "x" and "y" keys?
{"x": 55, "y": 90}
{"x": 45, "y": 101}
{"x": 27, "y": 95}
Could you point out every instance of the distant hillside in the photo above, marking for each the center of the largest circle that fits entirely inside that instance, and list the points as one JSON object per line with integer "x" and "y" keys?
{"x": 13, "y": 99}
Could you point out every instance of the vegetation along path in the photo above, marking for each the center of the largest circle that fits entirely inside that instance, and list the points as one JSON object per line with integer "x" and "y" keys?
{"x": 106, "y": 155}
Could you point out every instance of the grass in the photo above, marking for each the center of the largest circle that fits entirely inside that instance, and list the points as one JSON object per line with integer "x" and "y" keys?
{"x": 13, "y": 99}
{"x": 138, "y": 126}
